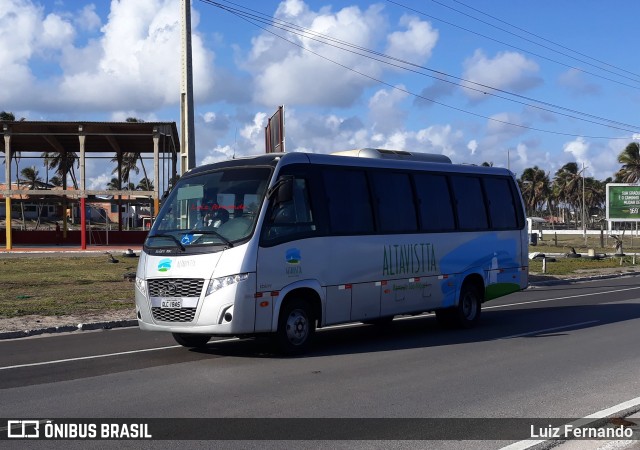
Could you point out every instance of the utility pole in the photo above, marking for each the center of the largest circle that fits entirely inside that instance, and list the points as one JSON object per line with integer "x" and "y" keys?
{"x": 188, "y": 148}
{"x": 584, "y": 210}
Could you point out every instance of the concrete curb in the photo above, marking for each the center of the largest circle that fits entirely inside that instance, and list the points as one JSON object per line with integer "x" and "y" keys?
{"x": 70, "y": 328}
{"x": 558, "y": 281}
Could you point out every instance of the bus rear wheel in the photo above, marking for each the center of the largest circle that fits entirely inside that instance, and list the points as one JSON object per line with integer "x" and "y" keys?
{"x": 191, "y": 340}
{"x": 466, "y": 313}
{"x": 296, "y": 327}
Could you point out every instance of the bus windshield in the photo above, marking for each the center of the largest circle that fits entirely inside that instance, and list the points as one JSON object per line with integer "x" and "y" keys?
{"x": 217, "y": 208}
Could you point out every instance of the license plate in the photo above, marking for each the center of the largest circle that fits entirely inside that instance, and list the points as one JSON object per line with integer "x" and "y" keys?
{"x": 171, "y": 303}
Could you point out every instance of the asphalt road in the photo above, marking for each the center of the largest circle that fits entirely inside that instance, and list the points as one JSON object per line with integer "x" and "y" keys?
{"x": 549, "y": 352}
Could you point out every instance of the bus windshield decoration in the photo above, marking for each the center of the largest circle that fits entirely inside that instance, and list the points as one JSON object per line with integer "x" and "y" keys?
{"x": 282, "y": 244}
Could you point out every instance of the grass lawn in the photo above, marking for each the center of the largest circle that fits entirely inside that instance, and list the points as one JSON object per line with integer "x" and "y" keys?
{"x": 578, "y": 266}
{"x": 562, "y": 243}
{"x": 64, "y": 285}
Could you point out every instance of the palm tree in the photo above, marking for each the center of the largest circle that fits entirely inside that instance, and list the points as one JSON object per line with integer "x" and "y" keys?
{"x": 595, "y": 196}
{"x": 144, "y": 170}
{"x": 534, "y": 184}
{"x": 32, "y": 178}
{"x": 145, "y": 185}
{"x": 55, "y": 181}
{"x": 6, "y": 116}
{"x": 114, "y": 184}
{"x": 128, "y": 161}
{"x": 630, "y": 160}
{"x": 567, "y": 187}
{"x": 63, "y": 164}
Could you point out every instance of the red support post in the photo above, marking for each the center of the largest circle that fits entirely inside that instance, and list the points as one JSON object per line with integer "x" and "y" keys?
{"x": 83, "y": 224}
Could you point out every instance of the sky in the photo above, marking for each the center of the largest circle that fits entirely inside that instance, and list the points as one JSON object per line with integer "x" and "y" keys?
{"x": 511, "y": 82}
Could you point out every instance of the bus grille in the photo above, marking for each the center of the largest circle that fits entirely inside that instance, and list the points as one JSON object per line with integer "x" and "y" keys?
{"x": 174, "y": 315}
{"x": 176, "y": 287}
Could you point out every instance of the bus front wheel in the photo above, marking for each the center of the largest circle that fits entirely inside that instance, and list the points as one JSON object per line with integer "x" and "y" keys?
{"x": 191, "y": 340}
{"x": 296, "y": 327}
{"x": 466, "y": 313}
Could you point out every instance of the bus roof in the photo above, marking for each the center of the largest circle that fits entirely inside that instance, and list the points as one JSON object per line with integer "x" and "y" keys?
{"x": 401, "y": 155}
{"x": 350, "y": 159}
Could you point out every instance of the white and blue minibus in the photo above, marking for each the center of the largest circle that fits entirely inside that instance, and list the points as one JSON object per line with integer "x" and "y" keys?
{"x": 282, "y": 244}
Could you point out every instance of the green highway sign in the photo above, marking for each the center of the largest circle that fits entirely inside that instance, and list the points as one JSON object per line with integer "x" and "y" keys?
{"x": 623, "y": 202}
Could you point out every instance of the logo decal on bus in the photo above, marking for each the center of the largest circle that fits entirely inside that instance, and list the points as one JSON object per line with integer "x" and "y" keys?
{"x": 164, "y": 265}
{"x": 293, "y": 256}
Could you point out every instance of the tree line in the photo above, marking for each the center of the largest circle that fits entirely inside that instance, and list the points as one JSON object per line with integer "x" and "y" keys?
{"x": 570, "y": 196}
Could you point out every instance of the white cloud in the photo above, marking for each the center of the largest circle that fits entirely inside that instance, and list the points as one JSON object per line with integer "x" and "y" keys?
{"x": 99, "y": 182}
{"x": 599, "y": 158}
{"x": 218, "y": 154}
{"x": 385, "y": 111}
{"x": 523, "y": 157}
{"x": 56, "y": 33}
{"x": 88, "y": 19}
{"x": 286, "y": 74}
{"x": 415, "y": 44}
{"x": 20, "y": 26}
{"x": 502, "y": 127}
{"x": 442, "y": 139}
{"x": 139, "y": 41}
{"x": 472, "y": 146}
{"x": 507, "y": 70}
{"x": 579, "y": 149}
{"x": 442, "y": 86}
{"x": 134, "y": 63}
{"x": 575, "y": 82}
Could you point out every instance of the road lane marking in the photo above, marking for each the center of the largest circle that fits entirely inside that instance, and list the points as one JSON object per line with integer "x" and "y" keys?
{"x": 560, "y": 298}
{"x": 620, "y": 410}
{"x": 546, "y": 330}
{"x": 83, "y": 358}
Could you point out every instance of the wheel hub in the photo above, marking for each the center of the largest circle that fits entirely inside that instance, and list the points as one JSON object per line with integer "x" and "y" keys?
{"x": 297, "y": 328}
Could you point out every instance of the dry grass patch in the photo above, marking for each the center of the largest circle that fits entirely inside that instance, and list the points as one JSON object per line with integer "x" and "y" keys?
{"x": 64, "y": 285}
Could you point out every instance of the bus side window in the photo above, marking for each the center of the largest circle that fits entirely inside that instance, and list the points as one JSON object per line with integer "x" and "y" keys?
{"x": 469, "y": 201}
{"x": 348, "y": 202}
{"x": 434, "y": 202}
{"x": 394, "y": 197}
{"x": 293, "y": 217}
{"x": 502, "y": 209}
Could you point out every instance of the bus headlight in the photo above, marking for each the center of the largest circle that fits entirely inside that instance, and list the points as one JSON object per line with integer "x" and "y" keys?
{"x": 141, "y": 285}
{"x": 219, "y": 283}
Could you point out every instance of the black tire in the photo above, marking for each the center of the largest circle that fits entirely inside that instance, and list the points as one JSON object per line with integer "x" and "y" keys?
{"x": 466, "y": 313}
{"x": 296, "y": 327}
{"x": 191, "y": 340}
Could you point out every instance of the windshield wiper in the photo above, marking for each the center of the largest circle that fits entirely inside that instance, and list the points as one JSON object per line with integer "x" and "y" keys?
{"x": 216, "y": 234}
{"x": 171, "y": 237}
